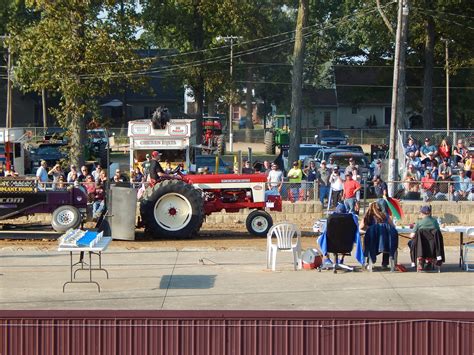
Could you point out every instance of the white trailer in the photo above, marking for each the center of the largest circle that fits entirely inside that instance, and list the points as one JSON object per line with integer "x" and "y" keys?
{"x": 11, "y": 145}
{"x": 175, "y": 141}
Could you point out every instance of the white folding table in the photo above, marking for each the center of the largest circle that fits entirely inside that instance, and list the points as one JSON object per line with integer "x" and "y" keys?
{"x": 97, "y": 249}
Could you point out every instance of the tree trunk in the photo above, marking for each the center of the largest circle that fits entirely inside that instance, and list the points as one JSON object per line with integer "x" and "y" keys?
{"x": 77, "y": 129}
{"x": 297, "y": 82}
{"x": 248, "y": 99}
{"x": 428, "y": 73}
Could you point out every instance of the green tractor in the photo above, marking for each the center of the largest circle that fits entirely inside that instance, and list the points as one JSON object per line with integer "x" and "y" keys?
{"x": 277, "y": 133}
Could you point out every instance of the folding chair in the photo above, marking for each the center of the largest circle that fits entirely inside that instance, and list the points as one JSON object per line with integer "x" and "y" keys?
{"x": 288, "y": 238}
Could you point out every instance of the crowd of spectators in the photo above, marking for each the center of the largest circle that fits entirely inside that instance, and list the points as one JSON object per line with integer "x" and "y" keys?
{"x": 438, "y": 172}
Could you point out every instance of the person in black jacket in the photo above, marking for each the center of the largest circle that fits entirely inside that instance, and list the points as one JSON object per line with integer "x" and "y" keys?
{"x": 156, "y": 170}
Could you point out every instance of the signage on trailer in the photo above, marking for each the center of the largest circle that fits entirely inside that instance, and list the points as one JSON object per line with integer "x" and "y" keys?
{"x": 17, "y": 186}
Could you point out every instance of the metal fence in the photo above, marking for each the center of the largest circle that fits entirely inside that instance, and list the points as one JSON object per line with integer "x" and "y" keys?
{"x": 434, "y": 190}
{"x": 355, "y": 136}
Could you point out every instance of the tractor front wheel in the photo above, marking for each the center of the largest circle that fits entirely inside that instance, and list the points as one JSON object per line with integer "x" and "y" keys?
{"x": 259, "y": 223}
{"x": 65, "y": 217}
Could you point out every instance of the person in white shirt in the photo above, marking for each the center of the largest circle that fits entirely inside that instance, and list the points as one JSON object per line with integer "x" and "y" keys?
{"x": 42, "y": 175}
{"x": 274, "y": 181}
{"x": 337, "y": 186}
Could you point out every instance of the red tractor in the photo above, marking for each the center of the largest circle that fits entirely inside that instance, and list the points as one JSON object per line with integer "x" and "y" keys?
{"x": 213, "y": 136}
{"x": 177, "y": 207}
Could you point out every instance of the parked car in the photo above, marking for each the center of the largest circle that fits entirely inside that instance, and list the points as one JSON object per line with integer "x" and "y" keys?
{"x": 352, "y": 148}
{"x": 209, "y": 161}
{"x": 341, "y": 159}
{"x": 324, "y": 153}
{"x": 331, "y": 137}
{"x": 56, "y": 134}
{"x": 52, "y": 153}
{"x": 309, "y": 150}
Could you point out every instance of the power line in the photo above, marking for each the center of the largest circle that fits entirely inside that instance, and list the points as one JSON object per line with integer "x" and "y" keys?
{"x": 238, "y": 54}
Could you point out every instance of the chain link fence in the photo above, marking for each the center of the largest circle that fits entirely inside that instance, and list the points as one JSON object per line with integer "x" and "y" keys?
{"x": 454, "y": 190}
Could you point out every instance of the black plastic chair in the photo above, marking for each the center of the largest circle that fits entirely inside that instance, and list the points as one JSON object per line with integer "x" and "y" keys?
{"x": 340, "y": 232}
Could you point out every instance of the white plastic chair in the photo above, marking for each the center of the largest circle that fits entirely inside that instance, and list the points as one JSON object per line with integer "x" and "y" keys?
{"x": 288, "y": 238}
{"x": 468, "y": 245}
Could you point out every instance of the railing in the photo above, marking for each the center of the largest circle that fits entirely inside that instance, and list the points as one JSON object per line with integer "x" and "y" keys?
{"x": 427, "y": 191}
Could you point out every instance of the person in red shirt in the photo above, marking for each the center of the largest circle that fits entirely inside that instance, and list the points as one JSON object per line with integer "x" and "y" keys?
{"x": 428, "y": 185}
{"x": 349, "y": 193}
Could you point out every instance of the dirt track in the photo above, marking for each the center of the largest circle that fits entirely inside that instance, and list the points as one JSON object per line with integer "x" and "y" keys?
{"x": 233, "y": 237}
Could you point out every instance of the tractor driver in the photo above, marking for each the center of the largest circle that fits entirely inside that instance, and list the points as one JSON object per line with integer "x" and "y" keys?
{"x": 156, "y": 170}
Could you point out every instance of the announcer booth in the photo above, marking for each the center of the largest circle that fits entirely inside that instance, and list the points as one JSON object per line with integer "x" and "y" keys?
{"x": 11, "y": 150}
{"x": 174, "y": 142}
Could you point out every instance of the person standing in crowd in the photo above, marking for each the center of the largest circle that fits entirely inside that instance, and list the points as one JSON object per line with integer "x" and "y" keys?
{"x": 378, "y": 168}
{"x": 311, "y": 174}
{"x": 462, "y": 187}
{"x": 444, "y": 170}
{"x": 380, "y": 187}
{"x": 95, "y": 174}
{"x": 411, "y": 147}
{"x": 274, "y": 181}
{"x": 168, "y": 167}
{"x": 266, "y": 168}
{"x": 103, "y": 178}
{"x": 352, "y": 165}
{"x": 331, "y": 164}
{"x": 411, "y": 179}
{"x": 99, "y": 200}
{"x": 137, "y": 175}
{"x": 350, "y": 189}
{"x": 295, "y": 176}
{"x": 428, "y": 153}
{"x": 428, "y": 186}
{"x": 444, "y": 150}
{"x": 323, "y": 182}
{"x": 72, "y": 174}
{"x": 460, "y": 152}
{"x": 414, "y": 160}
{"x": 336, "y": 186}
{"x": 42, "y": 175}
{"x": 84, "y": 173}
{"x": 247, "y": 169}
{"x": 56, "y": 172}
{"x": 146, "y": 166}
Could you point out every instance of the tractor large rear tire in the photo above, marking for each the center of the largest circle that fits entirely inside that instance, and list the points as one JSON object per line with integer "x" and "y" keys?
{"x": 269, "y": 141}
{"x": 221, "y": 144}
{"x": 173, "y": 209}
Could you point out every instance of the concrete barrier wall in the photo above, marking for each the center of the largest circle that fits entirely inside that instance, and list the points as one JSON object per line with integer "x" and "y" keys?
{"x": 305, "y": 213}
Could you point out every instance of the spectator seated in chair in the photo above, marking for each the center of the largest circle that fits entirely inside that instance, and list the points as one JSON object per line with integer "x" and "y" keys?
{"x": 426, "y": 244}
{"x": 380, "y": 237}
{"x": 339, "y": 237}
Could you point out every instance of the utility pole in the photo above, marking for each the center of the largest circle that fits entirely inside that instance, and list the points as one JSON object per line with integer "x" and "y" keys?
{"x": 230, "y": 39}
{"x": 43, "y": 104}
{"x": 448, "y": 120}
{"x": 397, "y": 105}
{"x": 8, "y": 120}
{"x": 297, "y": 82}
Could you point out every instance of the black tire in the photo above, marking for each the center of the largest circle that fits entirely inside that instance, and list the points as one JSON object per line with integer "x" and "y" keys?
{"x": 65, "y": 217}
{"x": 178, "y": 195}
{"x": 269, "y": 141}
{"x": 221, "y": 144}
{"x": 259, "y": 223}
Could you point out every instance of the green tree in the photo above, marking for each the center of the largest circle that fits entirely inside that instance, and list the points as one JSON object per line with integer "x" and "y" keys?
{"x": 77, "y": 50}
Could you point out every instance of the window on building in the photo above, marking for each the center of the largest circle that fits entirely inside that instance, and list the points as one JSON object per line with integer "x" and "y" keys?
{"x": 354, "y": 110}
{"x": 327, "y": 118}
